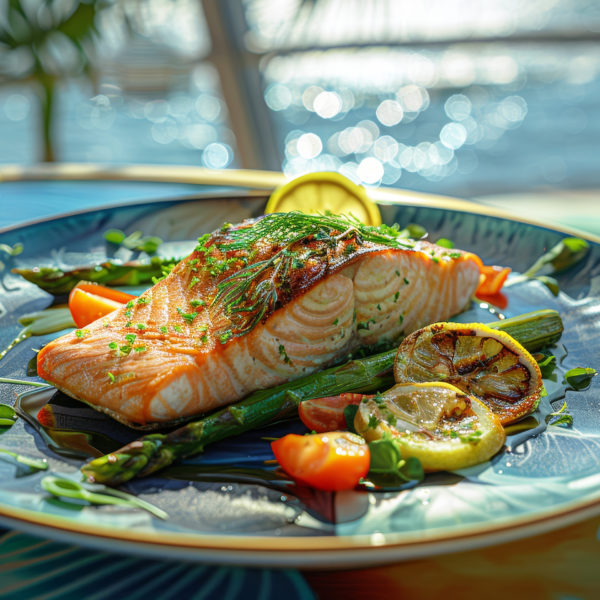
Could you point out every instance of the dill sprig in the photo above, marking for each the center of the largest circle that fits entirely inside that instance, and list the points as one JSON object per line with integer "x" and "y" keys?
{"x": 253, "y": 291}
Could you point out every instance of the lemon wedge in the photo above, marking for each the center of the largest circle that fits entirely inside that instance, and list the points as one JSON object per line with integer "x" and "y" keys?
{"x": 435, "y": 422}
{"x": 481, "y": 361}
{"x": 317, "y": 193}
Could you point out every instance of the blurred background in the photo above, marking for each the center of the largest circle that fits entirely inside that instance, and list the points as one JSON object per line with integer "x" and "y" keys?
{"x": 478, "y": 99}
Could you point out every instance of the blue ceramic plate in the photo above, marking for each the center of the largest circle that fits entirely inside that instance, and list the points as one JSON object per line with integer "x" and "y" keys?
{"x": 223, "y": 506}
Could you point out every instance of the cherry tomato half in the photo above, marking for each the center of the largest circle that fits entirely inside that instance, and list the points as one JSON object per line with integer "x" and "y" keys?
{"x": 327, "y": 414}
{"x": 331, "y": 461}
{"x": 90, "y": 301}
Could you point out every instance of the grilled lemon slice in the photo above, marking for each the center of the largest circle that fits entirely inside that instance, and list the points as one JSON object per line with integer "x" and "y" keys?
{"x": 317, "y": 193}
{"x": 435, "y": 422}
{"x": 482, "y": 362}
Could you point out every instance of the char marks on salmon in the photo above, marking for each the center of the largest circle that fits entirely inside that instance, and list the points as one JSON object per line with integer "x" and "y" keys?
{"x": 255, "y": 305}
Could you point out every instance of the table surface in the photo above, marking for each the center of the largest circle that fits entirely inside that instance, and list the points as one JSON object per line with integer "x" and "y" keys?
{"x": 560, "y": 564}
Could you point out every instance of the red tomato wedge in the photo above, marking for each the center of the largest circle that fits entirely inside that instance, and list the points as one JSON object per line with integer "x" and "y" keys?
{"x": 327, "y": 414}
{"x": 493, "y": 280}
{"x": 331, "y": 461}
{"x": 90, "y": 301}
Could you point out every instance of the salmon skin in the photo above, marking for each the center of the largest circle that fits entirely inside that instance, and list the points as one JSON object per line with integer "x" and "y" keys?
{"x": 255, "y": 305}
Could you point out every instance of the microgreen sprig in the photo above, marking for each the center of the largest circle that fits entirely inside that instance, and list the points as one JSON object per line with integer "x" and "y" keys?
{"x": 33, "y": 464}
{"x": 22, "y": 382}
{"x": 97, "y": 494}
{"x": 41, "y": 322}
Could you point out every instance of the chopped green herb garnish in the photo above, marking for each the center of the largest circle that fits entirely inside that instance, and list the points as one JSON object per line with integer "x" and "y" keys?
{"x": 225, "y": 336}
{"x": 141, "y": 326}
{"x": 111, "y": 377}
{"x": 396, "y": 296}
{"x": 445, "y": 243}
{"x": 365, "y": 324}
{"x": 130, "y": 337}
{"x": 373, "y": 422}
{"x": 336, "y": 321}
{"x": 163, "y": 329}
{"x": 177, "y": 328}
{"x": 193, "y": 281}
{"x": 140, "y": 348}
{"x": 406, "y": 281}
{"x": 143, "y": 300}
{"x": 283, "y": 354}
{"x": 471, "y": 438}
{"x": 188, "y": 317}
{"x": 196, "y": 303}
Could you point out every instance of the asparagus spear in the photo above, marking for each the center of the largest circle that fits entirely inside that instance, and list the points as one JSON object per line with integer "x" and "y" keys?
{"x": 156, "y": 451}
{"x": 134, "y": 272}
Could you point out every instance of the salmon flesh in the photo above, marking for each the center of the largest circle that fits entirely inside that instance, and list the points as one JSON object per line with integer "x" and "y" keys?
{"x": 255, "y": 305}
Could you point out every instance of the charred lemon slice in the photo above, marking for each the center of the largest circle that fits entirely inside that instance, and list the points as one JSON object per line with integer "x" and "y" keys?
{"x": 317, "y": 193}
{"x": 435, "y": 422}
{"x": 479, "y": 360}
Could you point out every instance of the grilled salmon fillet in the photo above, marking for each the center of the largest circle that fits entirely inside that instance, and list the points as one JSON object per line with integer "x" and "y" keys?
{"x": 255, "y": 305}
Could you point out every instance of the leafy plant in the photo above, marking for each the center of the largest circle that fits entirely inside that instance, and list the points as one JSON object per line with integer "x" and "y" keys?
{"x": 44, "y": 41}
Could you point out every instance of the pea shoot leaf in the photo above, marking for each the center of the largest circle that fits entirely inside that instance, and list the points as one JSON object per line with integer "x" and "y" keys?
{"x": 349, "y": 414}
{"x": 7, "y": 415}
{"x": 547, "y": 365}
{"x": 580, "y": 377}
{"x": 388, "y": 468}
{"x": 560, "y": 417}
